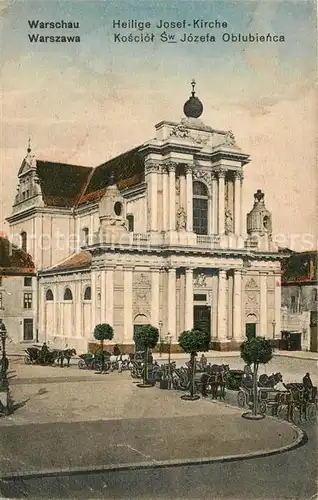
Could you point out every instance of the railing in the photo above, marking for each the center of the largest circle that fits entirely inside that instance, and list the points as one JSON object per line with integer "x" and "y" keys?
{"x": 207, "y": 241}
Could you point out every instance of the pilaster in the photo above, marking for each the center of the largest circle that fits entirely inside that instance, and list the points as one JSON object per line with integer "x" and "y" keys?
{"x": 172, "y": 195}
{"x": 155, "y": 282}
{"x": 109, "y": 309}
{"x": 189, "y": 196}
{"x": 128, "y": 304}
{"x": 221, "y": 200}
{"x": 237, "y": 306}
{"x": 263, "y": 304}
{"x": 188, "y": 299}
{"x": 221, "y": 305}
{"x": 278, "y": 303}
{"x": 172, "y": 303}
{"x": 237, "y": 202}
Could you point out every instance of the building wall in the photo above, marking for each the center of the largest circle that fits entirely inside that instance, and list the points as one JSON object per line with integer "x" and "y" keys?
{"x": 12, "y": 312}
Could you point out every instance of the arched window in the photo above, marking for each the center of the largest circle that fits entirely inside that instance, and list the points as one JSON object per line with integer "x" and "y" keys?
{"x": 49, "y": 295}
{"x": 24, "y": 243}
{"x": 68, "y": 294}
{"x": 85, "y": 236}
{"x": 130, "y": 219}
{"x": 88, "y": 293}
{"x": 200, "y": 208}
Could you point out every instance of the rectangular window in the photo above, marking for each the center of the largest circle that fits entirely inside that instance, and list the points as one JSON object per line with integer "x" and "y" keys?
{"x": 293, "y": 304}
{"x": 27, "y": 301}
{"x": 28, "y": 329}
{"x": 199, "y": 297}
{"x": 27, "y": 281}
{"x": 1, "y": 301}
{"x": 200, "y": 216}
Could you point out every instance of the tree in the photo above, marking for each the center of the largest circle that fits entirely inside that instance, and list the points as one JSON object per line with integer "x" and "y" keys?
{"x": 146, "y": 337}
{"x": 103, "y": 332}
{"x": 192, "y": 341}
{"x": 256, "y": 351}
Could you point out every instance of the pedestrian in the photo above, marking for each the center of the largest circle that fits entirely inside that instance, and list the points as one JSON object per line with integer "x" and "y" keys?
{"x": 307, "y": 381}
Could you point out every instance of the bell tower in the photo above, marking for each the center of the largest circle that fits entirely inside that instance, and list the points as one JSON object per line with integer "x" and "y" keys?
{"x": 259, "y": 223}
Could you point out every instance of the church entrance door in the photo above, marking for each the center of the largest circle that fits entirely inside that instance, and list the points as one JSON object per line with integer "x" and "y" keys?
{"x": 202, "y": 319}
{"x": 250, "y": 330}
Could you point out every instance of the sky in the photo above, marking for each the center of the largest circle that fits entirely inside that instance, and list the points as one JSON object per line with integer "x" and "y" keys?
{"x": 86, "y": 102}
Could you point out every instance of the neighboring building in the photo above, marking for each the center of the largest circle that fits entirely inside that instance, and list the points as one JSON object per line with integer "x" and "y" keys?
{"x": 162, "y": 237}
{"x": 299, "y": 301}
{"x": 18, "y": 292}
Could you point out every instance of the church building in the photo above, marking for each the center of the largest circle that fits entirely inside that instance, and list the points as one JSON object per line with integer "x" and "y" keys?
{"x": 156, "y": 235}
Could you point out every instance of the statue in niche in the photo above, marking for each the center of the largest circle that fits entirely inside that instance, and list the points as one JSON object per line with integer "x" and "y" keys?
{"x": 181, "y": 219}
{"x": 228, "y": 222}
{"x": 200, "y": 280}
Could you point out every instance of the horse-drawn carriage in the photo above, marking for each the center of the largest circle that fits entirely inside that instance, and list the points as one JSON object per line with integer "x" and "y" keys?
{"x": 37, "y": 355}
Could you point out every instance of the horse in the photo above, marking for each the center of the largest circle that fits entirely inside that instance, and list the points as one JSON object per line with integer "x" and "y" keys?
{"x": 120, "y": 362}
{"x": 60, "y": 355}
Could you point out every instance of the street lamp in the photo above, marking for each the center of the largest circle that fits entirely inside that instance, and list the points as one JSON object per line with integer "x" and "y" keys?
{"x": 5, "y": 399}
{"x": 160, "y": 339}
{"x": 168, "y": 337}
{"x": 4, "y": 361}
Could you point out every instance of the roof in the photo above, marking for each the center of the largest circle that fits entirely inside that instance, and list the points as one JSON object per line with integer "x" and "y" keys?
{"x": 300, "y": 268}
{"x": 14, "y": 261}
{"x": 81, "y": 260}
{"x": 127, "y": 168}
{"x": 61, "y": 183}
{"x": 65, "y": 185}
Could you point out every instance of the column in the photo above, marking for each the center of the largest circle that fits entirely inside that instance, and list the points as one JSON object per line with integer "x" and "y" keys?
{"x": 189, "y": 197}
{"x": 243, "y": 220}
{"x": 214, "y": 308}
{"x": 103, "y": 296}
{"x": 128, "y": 305}
{"x": 230, "y": 293}
{"x": 214, "y": 204}
{"x": 237, "y": 203}
{"x": 182, "y": 195}
{"x": 57, "y": 308}
{"x": 78, "y": 309}
{"x": 155, "y": 282}
{"x": 263, "y": 304}
{"x": 93, "y": 301}
{"x": 152, "y": 195}
{"x": 188, "y": 299}
{"x": 165, "y": 200}
{"x": 42, "y": 322}
{"x": 278, "y": 299}
{"x": 172, "y": 196}
{"x": 237, "y": 306}
{"x": 109, "y": 309}
{"x": 221, "y": 306}
{"x": 172, "y": 304}
{"x": 221, "y": 200}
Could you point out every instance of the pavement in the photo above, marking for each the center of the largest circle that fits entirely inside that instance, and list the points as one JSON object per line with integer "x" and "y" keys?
{"x": 18, "y": 349}
{"x": 69, "y": 421}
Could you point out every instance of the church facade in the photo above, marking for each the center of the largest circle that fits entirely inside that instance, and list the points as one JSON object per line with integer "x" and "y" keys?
{"x": 156, "y": 235}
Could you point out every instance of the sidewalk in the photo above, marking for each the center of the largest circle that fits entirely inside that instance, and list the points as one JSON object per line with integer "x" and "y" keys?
{"x": 18, "y": 350}
{"x": 106, "y": 422}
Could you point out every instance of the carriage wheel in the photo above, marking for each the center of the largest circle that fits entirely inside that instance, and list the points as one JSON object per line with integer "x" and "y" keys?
{"x": 311, "y": 411}
{"x": 262, "y": 407}
{"x": 241, "y": 399}
{"x": 97, "y": 365}
{"x": 27, "y": 360}
{"x": 81, "y": 364}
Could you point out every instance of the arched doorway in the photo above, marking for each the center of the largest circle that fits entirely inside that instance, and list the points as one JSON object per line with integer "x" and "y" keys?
{"x": 250, "y": 326}
{"x": 139, "y": 321}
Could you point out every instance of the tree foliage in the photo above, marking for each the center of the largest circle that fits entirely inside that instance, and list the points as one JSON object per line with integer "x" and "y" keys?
{"x": 103, "y": 331}
{"x": 192, "y": 341}
{"x": 256, "y": 351}
{"x": 146, "y": 337}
